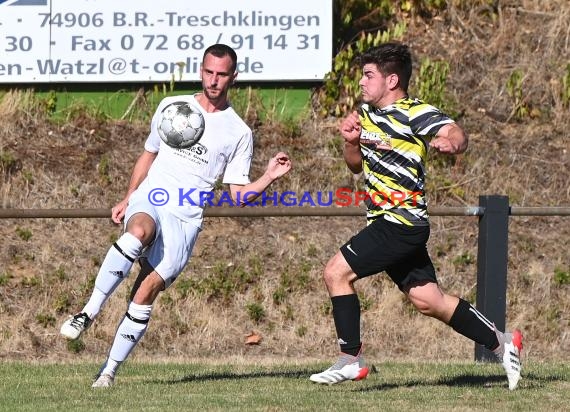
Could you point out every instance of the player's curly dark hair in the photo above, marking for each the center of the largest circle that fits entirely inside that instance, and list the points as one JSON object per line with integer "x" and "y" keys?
{"x": 390, "y": 58}
{"x": 221, "y": 50}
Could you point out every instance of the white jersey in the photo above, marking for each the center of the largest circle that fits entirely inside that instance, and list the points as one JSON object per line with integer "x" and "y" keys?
{"x": 185, "y": 175}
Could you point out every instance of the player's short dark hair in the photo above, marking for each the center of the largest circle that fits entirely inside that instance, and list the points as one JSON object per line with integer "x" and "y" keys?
{"x": 221, "y": 50}
{"x": 390, "y": 58}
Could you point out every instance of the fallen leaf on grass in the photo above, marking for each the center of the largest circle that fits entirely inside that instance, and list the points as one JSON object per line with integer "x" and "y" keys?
{"x": 252, "y": 338}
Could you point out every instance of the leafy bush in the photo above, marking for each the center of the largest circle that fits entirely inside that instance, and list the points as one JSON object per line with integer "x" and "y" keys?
{"x": 341, "y": 89}
{"x": 430, "y": 85}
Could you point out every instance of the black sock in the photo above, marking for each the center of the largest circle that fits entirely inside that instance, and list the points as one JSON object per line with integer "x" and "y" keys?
{"x": 469, "y": 322}
{"x": 346, "y": 315}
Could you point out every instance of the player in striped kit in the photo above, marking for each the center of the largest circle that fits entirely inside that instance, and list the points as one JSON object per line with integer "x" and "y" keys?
{"x": 388, "y": 139}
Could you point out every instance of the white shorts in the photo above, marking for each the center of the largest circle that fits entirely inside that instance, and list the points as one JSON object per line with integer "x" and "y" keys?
{"x": 173, "y": 242}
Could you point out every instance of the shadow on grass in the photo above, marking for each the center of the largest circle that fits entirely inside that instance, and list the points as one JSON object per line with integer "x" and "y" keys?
{"x": 217, "y": 376}
{"x": 528, "y": 381}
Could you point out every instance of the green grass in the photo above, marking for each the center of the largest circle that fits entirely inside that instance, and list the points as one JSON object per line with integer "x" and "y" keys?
{"x": 279, "y": 103}
{"x": 398, "y": 387}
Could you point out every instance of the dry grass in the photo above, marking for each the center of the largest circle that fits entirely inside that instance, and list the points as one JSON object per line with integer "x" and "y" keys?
{"x": 48, "y": 266}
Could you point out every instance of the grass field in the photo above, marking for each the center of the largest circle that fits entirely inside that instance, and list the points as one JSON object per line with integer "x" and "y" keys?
{"x": 282, "y": 387}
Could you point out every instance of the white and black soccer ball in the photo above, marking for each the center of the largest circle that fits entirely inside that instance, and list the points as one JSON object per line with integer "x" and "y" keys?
{"x": 181, "y": 125}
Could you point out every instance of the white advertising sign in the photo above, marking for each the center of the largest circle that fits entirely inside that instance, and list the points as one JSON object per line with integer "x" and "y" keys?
{"x": 43, "y": 41}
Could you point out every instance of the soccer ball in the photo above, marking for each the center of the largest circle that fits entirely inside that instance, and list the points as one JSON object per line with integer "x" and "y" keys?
{"x": 181, "y": 125}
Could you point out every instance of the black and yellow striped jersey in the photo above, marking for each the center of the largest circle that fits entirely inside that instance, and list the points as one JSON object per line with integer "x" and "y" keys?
{"x": 394, "y": 145}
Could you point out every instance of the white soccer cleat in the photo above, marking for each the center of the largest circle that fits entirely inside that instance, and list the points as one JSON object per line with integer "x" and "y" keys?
{"x": 511, "y": 356}
{"x": 347, "y": 367}
{"x": 73, "y": 327}
{"x": 104, "y": 381}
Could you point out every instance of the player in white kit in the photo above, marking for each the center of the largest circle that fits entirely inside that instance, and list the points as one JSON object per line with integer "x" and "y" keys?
{"x": 163, "y": 207}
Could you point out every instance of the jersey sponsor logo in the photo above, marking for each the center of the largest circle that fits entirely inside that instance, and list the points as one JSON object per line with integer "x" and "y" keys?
{"x": 198, "y": 149}
{"x": 195, "y": 153}
{"x": 376, "y": 140}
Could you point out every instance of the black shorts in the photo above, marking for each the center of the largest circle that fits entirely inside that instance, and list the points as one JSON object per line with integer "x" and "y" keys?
{"x": 398, "y": 249}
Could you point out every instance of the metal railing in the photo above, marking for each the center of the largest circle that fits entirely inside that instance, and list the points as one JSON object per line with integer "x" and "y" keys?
{"x": 281, "y": 211}
{"x": 269, "y": 211}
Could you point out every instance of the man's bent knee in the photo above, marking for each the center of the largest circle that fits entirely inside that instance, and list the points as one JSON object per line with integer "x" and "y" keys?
{"x": 338, "y": 276}
{"x": 334, "y": 272}
{"x": 142, "y": 226}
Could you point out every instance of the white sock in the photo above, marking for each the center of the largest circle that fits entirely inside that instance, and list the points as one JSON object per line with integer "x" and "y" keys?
{"x": 95, "y": 303}
{"x": 110, "y": 367}
{"x": 114, "y": 269}
{"x": 130, "y": 331}
{"x": 502, "y": 337}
